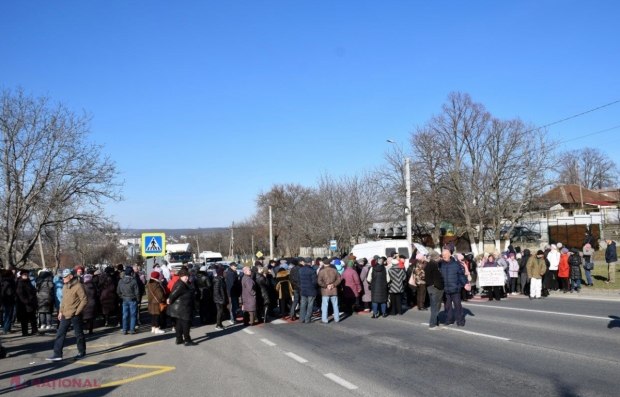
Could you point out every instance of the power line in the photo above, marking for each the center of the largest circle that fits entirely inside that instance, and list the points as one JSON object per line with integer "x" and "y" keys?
{"x": 577, "y": 115}
{"x": 594, "y": 133}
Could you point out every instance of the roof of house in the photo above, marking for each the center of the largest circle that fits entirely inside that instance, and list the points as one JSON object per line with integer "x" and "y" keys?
{"x": 569, "y": 194}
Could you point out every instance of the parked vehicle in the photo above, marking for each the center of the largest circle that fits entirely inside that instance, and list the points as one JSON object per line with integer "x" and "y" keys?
{"x": 385, "y": 248}
{"x": 520, "y": 233}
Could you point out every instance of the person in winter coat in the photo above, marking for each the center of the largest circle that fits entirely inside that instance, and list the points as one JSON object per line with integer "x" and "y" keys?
{"x": 204, "y": 293}
{"x": 129, "y": 292}
{"x": 611, "y": 257}
{"x": 156, "y": 299}
{"x": 435, "y": 287}
{"x": 26, "y": 304}
{"x": 180, "y": 306}
{"x": 351, "y": 287}
{"x": 366, "y": 293}
{"x": 107, "y": 294}
{"x": 329, "y": 279}
{"x": 284, "y": 289}
{"x": 461, "y": 259}
{"x": 588, "y": 259}
{"x": 308, "y": 289}
{"x": 219, "y": 296}
{"x": 234, "y": 291}
{"x": 574, "y": 261}
{"x": 378, "y": 279}
{"x": 396, "y": 287}
{"x": 525, "y": 257}
{"x": 90, "y": 311}
{"x": 454, "y": 279}
{"x": 502, "y": 261}
{"x": 536, "y": 268}
{"x": 263, "y": 286}
{"x": 58, "y": 287}
{"x": 564, "y": 270}
{"x": 45, "y": 298}
{"x": 248, "y": 296}
{"x": 419, "y": 281}
{"x": 554, "y": 262}
{"x": 513, "y": 271}
{"x": 7, "y": 292}
{"x": 493, "y": 291}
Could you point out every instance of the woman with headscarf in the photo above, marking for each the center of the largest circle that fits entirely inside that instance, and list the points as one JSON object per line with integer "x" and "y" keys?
{"x": 378, "y": 278}
{"x": 396, "y": 286}
{"x": 248, "y": 295}
{"x": 26, "y": 304}
{"x": 494, "y": 291}
{"x": 156, "y": 301}
{"x": 220, "y": 297}
{"x": 513, "y": 272}
{"x": 564, "y": 270}
{"x": 574, "y": 261}
{"x": 262, "y": 291}
{"x": 90, "y": 311}
{"x": 180, "y": 306}
{"x": 419, "y": 281}
{"x": 45, "y": 298}
{"x": 108, "y": 297}
{"x": 588, "y": 258}
{"x": 366, "y": 293}
{"x": 351, "y": 287}
{"x": 284, "y": 289}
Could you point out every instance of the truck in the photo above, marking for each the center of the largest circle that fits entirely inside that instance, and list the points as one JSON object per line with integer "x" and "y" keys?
{"x": 210, "y": 257}
{"x": 176, "y": 254}
{"x": 385, "y": 248}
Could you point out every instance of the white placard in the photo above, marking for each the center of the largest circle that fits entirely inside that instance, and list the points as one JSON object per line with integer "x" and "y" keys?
{"x": 491, "y": 276}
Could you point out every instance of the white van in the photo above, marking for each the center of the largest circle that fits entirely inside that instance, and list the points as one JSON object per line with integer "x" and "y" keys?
{"x": 385, "y": 248}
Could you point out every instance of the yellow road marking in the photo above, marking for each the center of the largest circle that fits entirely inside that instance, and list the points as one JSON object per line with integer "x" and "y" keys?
{"x": 159, "y": 369}
{"x": 102, "y": 345}
{"x": 129, "y": 347}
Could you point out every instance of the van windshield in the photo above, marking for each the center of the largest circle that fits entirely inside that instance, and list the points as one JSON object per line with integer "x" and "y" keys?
{"x": 213, "y": 260}
{"x": 184, "y": 257}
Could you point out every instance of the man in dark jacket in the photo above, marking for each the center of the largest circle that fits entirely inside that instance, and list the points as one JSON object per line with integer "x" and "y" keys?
{"x": 329, "y": 280}
{"x": 435, "y": 288}
{"x": 296, "y": 265}
{"x": 233, "y": 286}
{"x": 307, "y": 289}
{"x": 129, "y": 292}
{"x": 454, "y": 279}
{"x": 204, "y": 289}
{"x": 611, "y": 257}
{"x": 220, "y": 298}
{"x": 26, "y": 304}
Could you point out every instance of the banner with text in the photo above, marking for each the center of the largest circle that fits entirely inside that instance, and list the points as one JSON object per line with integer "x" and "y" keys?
{"x": 491, "y": 276}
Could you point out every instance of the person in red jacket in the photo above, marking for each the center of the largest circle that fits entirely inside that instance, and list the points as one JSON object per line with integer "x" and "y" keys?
{"x": 564, "y": 270}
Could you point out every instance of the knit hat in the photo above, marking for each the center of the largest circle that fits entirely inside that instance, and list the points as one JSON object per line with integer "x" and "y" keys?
{"x": 559, "y": 245}
{"x": 351, "y": 263}
{"x": 434, "y": 254}
{"x": 564, "y": 250}
{"x": 88, "y": 277}
{"x": 308, "y": 260}
{"x": 128, "y": 271}
{"x": 588, "y": 246}
{"x": 155, "y": 275}
{"x": 67, "y": 272}
{"x": 512, "y": 255}
{"x": 419, "y": 257}
{"x": 375, "y": 257}
{"x": 540, "y": 252}
{"x": 554, "y": 247}
{"x": 284, "y": 266}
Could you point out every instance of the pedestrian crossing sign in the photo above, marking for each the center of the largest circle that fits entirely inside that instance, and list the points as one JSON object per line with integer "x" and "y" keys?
{"x": 153, "y": 244}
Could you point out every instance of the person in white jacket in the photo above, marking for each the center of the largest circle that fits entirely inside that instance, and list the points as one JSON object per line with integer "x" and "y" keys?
{"x": 513, "y": 271}
{"x": 554, "y": 261}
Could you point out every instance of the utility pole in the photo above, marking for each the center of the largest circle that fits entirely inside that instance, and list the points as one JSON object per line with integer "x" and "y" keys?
{"x": 270, "y": 234}
{"x": 408, "y": 209}
{"x": 232, "y": 241}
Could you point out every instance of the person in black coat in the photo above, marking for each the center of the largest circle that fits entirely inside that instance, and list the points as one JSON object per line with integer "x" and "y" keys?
{"x": 26, "y": 304}
{"x": 204, "y": 293}
{"x": 7, "y": 293}
{"x": 180, "y": 306}
{"x": 45, "y": 298}
{"x": 233, "y": 288}
{"x": 220, "y": 298}
{"x": 378, "y": 280}
{"x": 262, "y": 297}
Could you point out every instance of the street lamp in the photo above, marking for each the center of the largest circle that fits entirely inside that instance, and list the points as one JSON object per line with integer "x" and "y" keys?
{"x": 408, "y": 196}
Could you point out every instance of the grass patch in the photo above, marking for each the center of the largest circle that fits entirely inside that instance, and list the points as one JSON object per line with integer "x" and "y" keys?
{"x": 600, "y": 254}
{"x": 599, "y": 276}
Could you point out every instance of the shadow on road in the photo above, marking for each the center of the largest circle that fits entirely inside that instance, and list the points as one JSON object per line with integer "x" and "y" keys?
{"x": 614, "y": 323}
{"x": 217, "y": 334}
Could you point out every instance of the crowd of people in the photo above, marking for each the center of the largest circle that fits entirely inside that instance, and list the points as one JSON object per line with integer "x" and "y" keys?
{"x": 290, "y": 288}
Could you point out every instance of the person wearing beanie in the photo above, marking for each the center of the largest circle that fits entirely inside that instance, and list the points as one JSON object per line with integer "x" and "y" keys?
{"x": 204, "y": 292}
{"x": 454, "y": 279}
{"x": 180, "y": 307}
{"x": 351, "y": 287}
{"x": 233, "y": 289}
{"x": 26, "y": 299}
{"x": 536, "y": 268}
{"x": 513, "y": 272}
{"x": 45, "y": 298}
{"x": 574, "y": 261}
{"x": 90, "y": 311}
{"x": 396, "y": 286}
{"x": 219, "y": 297}
{"x": 296, "y": 265}
{"x": 129, "y": 292}
{"x": 588, "y": 255}
{"x": 417, "y": 280}
{"x": 329, "y": 279}
{"x": 79, "y": 272}
{"x": 308, "y": 291}
{"x": 378, "y": 279}
{"x": 248, "y": 296}
{"x": 156, "y": 302}
{"x": 554, "y": 262}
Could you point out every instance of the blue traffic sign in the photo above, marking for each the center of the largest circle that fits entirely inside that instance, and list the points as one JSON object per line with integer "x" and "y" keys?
{"x": 153, "y": 244}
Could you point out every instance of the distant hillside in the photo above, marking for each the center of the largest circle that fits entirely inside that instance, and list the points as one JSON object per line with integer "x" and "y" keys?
{"x": 176, "y": 232}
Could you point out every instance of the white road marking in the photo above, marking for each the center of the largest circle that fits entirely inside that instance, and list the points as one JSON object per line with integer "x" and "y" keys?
{"x": 341, "y": 381}
{"x": 472, "y": 333}
{"x": 247, "y": 331}
{"x": 267, "y": 342}
{"x": 297, "y": 358}
{"x": 539, "y": 311}
{"x": 278, "y": 321}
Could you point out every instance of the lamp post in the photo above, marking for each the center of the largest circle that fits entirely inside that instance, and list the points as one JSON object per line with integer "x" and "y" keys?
{"x": 408, "y": 196}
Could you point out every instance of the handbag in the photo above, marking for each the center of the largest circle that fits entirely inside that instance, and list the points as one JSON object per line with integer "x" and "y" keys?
{"x": 162, "y": 307}
{"x": 412, "y": 280}
{"x": 589, "y": 266}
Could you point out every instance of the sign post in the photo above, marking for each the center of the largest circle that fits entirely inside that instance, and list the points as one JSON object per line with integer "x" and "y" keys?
{"x": 153, "y": 244}
{"x": 333, "y": 245}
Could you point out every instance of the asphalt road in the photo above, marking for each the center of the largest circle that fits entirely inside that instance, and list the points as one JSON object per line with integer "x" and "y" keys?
{"x": 560, "y": 346}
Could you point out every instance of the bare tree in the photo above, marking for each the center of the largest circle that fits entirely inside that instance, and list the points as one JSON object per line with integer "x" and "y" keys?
{"x": 588, "y": 167}
{"x": 46, "y": 163}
